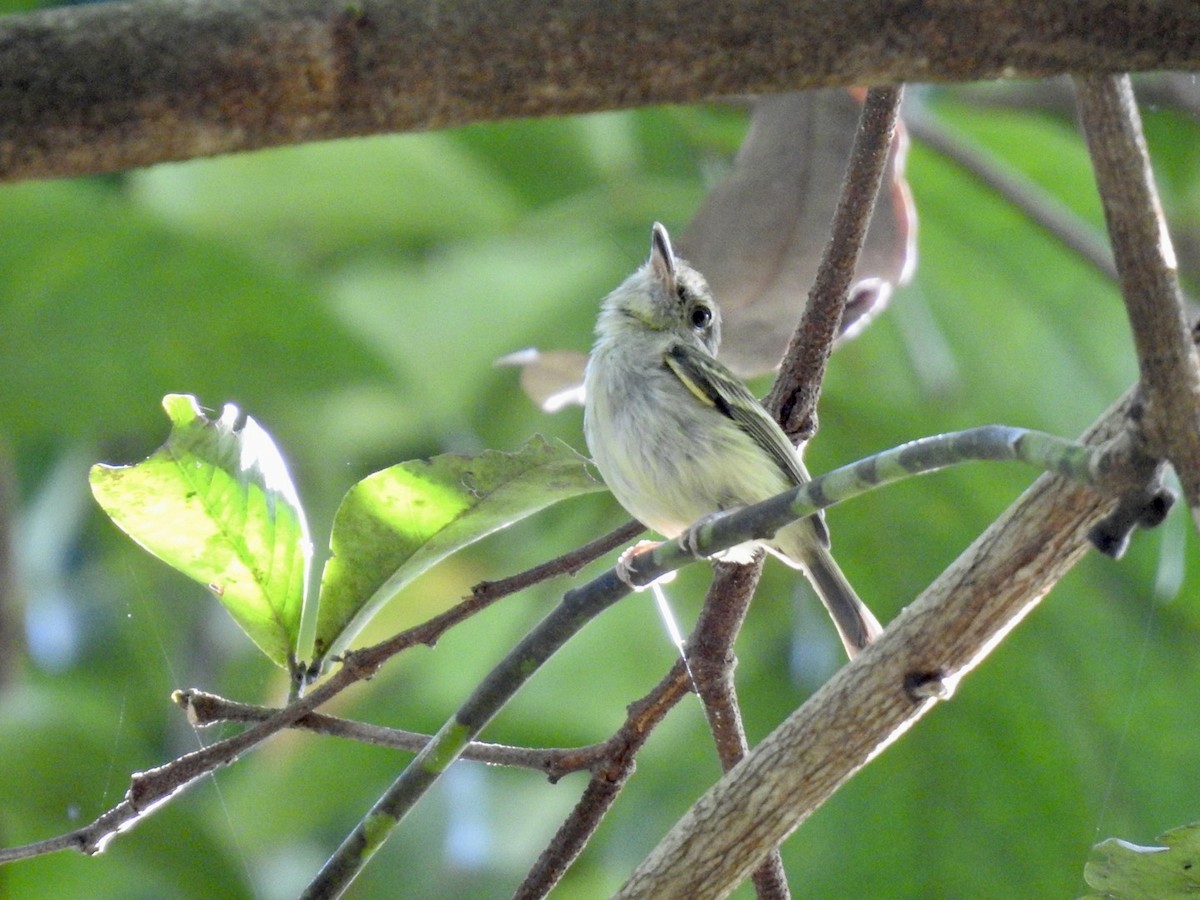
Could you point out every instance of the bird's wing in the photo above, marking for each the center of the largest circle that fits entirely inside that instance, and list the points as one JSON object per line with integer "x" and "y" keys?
{"x": 713, "y": 384}
{"x": 716, "y": 386}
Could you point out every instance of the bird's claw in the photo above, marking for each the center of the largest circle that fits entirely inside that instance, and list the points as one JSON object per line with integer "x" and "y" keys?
{"x": 689, "y": 540}
{"x": 625, "y": 571}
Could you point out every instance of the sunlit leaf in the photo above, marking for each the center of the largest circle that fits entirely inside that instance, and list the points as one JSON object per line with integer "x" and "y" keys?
{"x": 216, "y": 502}
{"x": 395, "y": 524}
{"x": 1120, "y": 870}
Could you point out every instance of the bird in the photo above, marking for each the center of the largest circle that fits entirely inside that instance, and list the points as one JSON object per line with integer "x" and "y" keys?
{"x": 678, "y": 438}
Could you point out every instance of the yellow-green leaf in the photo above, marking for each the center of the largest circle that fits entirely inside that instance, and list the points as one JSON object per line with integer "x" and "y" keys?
{"x": 395, "y": 524}
{"x": 216, "y": 502}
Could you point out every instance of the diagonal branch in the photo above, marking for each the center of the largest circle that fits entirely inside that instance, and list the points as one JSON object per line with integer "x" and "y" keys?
{"x": 149, "y": 790}
{"x": 106, "y": 87}
{"x": 1038, "y": 204}
{"x": 709, "y": 668}
{"x": 609, "y": 776}
{"x": 567, "y": 564}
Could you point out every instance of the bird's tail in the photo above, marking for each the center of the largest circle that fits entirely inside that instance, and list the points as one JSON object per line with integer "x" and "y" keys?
{"x": 856, "y": 625}
{"x": 803, "y": 548}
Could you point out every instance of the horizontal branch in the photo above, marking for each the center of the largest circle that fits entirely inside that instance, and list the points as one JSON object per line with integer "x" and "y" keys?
{"x": 204, "y": 709}
{"x": 110, "y": 86}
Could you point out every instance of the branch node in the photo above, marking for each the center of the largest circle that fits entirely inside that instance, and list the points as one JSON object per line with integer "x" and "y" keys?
{"x": 186, "y": 700}
{"x": 1157, "y": 508}
{"x": 922, "y": 686}
{"x": 1146, "y": 507}
{"x": 1135, "y": 469}
{"x": 362, "y": 664}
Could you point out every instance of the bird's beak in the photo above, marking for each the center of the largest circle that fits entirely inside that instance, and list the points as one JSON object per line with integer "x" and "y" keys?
{"x": 662, "y": 257}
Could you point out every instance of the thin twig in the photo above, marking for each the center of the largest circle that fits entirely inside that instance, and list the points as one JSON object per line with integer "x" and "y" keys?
{"x": 148, "y": 789}
{"x": 205, "y": 709}
{"x": 486, "y": 593}
{"x": 608, "y": 778}
{"x": 1167, "y": 360}
{"x": 711, "y": 655}
{"x": 720, "y": 619}
{"x": 567, "y": 564}
{"x": 793, "y": 397}
{"x": 712, "y": 660}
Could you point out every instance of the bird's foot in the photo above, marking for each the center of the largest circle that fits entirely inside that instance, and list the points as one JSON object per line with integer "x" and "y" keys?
{"x": 625, "y": 566}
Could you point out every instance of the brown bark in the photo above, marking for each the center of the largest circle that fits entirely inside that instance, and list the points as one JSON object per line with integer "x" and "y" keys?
{"x": 111, "y": 86}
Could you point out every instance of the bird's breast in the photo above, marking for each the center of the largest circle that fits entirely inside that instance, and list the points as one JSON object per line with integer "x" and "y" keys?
{"x": 669, "y": 458}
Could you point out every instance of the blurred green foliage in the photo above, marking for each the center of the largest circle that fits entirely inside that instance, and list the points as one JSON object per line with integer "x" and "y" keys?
{"x": 352, "y": 297}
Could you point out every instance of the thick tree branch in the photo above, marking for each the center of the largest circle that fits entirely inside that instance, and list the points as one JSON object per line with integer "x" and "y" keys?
{"x": 111, "y": 86}
{"x": 1170, "y": 371}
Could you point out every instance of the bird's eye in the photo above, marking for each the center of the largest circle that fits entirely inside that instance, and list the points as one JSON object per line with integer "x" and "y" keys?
{"x": 701, "y": 317}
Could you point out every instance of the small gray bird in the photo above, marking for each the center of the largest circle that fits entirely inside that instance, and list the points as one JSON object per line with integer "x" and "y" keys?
{"x": 678, "y": 437}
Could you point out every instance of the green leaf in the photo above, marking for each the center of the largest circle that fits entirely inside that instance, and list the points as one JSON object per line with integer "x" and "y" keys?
{"x": 1123, "y": 871}
{"x": 216, "y": 502}
{"x": 396, "y": 524}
